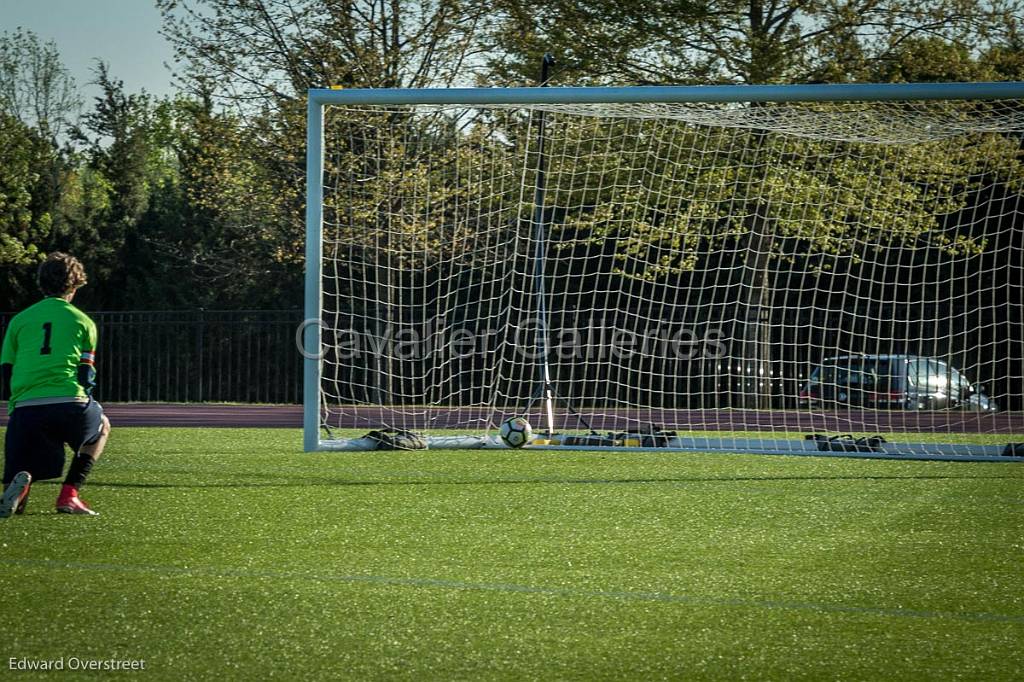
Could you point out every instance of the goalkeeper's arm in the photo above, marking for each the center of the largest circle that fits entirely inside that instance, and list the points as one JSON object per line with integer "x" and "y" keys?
{"x": 87, "y": 371}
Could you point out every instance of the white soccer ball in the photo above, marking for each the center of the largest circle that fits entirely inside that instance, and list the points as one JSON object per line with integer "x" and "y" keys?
{"x": 515, "y": 432}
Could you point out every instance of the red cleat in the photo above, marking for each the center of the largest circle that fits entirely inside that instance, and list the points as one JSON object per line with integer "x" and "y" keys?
{"x": 13, "y": 499}
{"x": 20, "y": 509}
{"x": 70, "y": 503}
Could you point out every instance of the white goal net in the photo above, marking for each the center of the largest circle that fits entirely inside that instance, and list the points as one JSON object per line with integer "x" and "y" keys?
{"x": 660, "y": 274}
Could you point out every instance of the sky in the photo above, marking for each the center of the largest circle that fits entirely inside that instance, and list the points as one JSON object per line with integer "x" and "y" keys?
{"x": 123, "y": 33}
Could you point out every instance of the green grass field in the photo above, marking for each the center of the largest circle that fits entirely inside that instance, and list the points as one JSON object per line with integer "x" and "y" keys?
{"x": 229, "y": 553}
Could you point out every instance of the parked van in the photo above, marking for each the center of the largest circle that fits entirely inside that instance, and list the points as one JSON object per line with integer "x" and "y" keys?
{"x": 892, "y": 382}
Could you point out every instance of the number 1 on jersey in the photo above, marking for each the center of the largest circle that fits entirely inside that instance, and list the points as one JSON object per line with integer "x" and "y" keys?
{"x": 47, "y": 333}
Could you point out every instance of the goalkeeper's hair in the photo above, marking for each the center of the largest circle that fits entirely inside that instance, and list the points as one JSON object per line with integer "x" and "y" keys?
{"x": 60, "y": 274}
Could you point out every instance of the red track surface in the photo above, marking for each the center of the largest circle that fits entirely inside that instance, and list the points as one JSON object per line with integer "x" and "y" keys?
{"x": 158, "y": 414}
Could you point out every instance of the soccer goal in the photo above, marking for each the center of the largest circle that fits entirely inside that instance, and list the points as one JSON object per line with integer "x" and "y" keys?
{"x": 833, "y": 270}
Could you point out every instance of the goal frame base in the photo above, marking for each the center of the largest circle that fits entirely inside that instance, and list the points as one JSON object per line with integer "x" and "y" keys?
{"x": 939, "y": 452}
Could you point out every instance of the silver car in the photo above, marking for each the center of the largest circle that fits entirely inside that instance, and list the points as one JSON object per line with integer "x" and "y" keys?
{"x": 892, "y": 382}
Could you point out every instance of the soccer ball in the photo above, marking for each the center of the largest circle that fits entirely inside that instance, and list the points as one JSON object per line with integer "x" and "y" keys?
{"x": 515, "y": 432}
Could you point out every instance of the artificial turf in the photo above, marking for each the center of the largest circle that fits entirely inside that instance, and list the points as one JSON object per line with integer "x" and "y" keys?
{"x": 229, "y": 553}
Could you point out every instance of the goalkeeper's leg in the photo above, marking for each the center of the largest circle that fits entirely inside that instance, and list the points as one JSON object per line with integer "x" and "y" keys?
{"x": 15, "y": 494}
{"x": 29, "y": 454}
{"x": 88, "y": 441}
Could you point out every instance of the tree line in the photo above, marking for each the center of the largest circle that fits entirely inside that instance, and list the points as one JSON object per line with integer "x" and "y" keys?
{"x": 196, "y": 200}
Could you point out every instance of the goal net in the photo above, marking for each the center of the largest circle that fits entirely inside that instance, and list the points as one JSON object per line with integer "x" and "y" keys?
{"x": 751, "y": 276}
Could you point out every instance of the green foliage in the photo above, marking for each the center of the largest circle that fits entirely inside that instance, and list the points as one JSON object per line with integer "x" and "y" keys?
{"x": 275, "y": 50}
{"x": 595, "y": 43}
{"x": 19, "y": 159}
{"x": 900, "y": 195}
{"x": 35, "y": 87}
{"x": 232, "y": 224}
{"x": 199, "y": 200}
{"x": 24, "y": 225}
{"x": 675, "y": 190}
{"x": 743, "y": 41}
{"x": 418, "y": 186}
{"x": 38, "y": 101}
{"x": 258, "y": 200}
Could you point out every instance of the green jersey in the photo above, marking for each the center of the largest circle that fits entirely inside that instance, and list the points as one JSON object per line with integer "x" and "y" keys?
{"x": 46, "y": 343}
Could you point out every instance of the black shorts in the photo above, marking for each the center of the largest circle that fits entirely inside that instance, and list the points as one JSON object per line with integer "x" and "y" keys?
{"x": 36, "y": 435}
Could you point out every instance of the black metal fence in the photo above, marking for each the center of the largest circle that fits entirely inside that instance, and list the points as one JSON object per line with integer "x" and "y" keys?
{"x": 250, "y": 356}
{"x": 245, "y": 356}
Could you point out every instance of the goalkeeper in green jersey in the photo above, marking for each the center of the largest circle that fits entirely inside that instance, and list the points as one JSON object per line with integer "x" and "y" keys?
{"x": 48, "y": 359}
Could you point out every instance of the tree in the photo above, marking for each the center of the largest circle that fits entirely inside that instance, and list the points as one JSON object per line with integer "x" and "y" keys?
{"x": 600, "y": 42}
{"x": 22, "y": 154}
{"x": 259, "y": 57}
{"x": 752, "y": 41}
{"x": 38, "y": 102}
{"x": 273, "y": 50}
{"x": 218, "y": 225}
{"x": 732, "y": 41}
{"x": 35, "y": 87}
{"x": 126, "y": 159}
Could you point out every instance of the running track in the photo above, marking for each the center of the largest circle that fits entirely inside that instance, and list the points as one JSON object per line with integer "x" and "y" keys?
{"x": 290, "y": 416}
